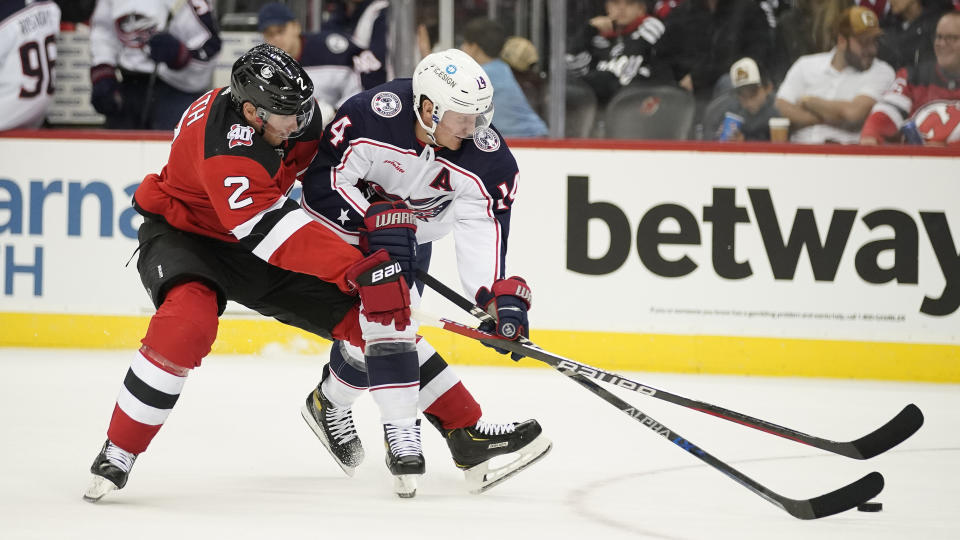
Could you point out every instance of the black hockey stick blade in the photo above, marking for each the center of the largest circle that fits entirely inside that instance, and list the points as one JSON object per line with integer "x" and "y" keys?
{"x": 841, "y": 500}
{"x": 894, "y": 432}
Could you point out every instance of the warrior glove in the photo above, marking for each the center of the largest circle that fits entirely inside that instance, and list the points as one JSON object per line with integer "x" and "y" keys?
{"x": 391, "y": 226}
{"x": 507, "y": 301}
{"x": 384, "y": 295}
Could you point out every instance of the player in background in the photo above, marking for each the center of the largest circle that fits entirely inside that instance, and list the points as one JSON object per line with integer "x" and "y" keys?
{"x": 924, "y": 101}
{"x": 367, "y": 22}
{"x": 218, "y": 226}
{"x": 338, "y": 67}
{"x": 426, "y": 144}
{"x": 28, "y": 52}
{"x": 176, "y": 39}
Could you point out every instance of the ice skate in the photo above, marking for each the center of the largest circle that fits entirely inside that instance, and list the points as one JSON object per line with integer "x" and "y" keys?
{"x": 404, "y": 457}
{"x": 110, "y": 471}
{"x": 475, "y": 448}
{"x": 335, "y": 429}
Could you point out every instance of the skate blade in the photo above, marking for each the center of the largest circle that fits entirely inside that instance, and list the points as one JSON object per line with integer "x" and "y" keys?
{"x": 318, "y": 431}
{"x": 481, "y": 477}
{"x": 405, "y": 485}
{"x": 99, "y": 486}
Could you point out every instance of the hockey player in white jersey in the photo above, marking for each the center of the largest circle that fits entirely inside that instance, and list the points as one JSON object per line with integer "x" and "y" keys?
{"x": 426, "y": 144}
{"x": 164, "y": 52}
{"x": 28, "y": 51}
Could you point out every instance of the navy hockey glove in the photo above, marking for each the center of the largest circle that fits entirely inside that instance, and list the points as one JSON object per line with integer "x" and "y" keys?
{"x": 105, "y": 91}
{"x": 391, "y": 226}
{"x": 169, "y": 50}
{"x": 384, "y": 295}
{"x": 508, "y": 301}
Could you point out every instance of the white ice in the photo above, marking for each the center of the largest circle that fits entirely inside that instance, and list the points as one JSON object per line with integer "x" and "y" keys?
{"x": 235, "y": 460}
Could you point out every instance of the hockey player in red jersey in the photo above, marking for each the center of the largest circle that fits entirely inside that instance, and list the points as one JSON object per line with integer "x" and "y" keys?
{"x": 923, "y": 106}
{"x": 427, "y": 144}
{"x": 218, "y": 226}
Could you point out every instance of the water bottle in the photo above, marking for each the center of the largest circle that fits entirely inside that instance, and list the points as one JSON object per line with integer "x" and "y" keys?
{"x": 911, "y": 135}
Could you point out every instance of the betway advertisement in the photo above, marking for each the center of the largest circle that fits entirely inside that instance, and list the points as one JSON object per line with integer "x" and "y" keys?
{"x": 680, "y": 241}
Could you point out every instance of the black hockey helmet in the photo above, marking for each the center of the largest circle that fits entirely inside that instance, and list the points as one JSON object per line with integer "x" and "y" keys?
{"x": 274, "y": 83}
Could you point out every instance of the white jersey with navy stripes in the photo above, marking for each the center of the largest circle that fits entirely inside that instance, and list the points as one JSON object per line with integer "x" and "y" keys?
{"x": 370, "y": 152}
{"x": 119, "y": 30}
{"x": 28, "y": 52}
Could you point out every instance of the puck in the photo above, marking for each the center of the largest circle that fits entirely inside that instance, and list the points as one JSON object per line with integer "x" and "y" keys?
{"x": 870, "y": 507}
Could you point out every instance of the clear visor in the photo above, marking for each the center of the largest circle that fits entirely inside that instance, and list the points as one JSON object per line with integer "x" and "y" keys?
{"x": 288, "y": 126}
{"x": 465, "y": 125}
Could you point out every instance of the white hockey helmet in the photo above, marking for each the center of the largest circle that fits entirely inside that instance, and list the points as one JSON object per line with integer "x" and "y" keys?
{"x": 459, "y": 90}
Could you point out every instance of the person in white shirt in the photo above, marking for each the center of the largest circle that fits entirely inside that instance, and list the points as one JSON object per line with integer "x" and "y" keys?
{"x": 827, "y": 96}
{"x": 28, "y": 51}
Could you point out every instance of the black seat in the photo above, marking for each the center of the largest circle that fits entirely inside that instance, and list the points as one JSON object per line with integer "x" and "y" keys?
{"x": 581, "y": 108}
{"x": 650, "y": 112}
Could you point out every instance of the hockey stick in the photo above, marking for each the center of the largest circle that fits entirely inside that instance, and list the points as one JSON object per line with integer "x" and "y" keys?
{"x": 840, "y": 500}
{"x": 145, "y": 112}
{"x": 894, "y": 432}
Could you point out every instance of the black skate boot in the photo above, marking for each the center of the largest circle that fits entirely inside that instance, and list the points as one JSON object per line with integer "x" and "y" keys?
{"x": 334, "y": 427}
{"x": 404, "y": 457}
{"x": 474, "y": 447}
{"x": 110, "y": 471}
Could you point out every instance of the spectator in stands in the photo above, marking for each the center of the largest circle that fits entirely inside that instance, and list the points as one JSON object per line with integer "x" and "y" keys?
{"x": 704, "y": 38}
{"x": 521, "y": 55}
{"x": 925, "y": 99}
{"x": 337, "y": 66}
{"x": 827, "y": 96}
{"x": 28, "y": 49}
{"x": 755, "y": 104}
{"x": 483, "y": 40}
{"x": 909, "y": 40}
{"x": 165, "y": 59}
{"x": 368, "y": 25}
{"x": 616, "y": 49}
{"x": 806, "y": 28}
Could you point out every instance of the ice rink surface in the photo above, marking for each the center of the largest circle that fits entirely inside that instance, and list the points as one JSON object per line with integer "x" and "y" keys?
{"x": 235, "y": 459}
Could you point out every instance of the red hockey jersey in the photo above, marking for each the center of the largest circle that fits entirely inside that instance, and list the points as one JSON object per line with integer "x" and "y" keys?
{"x": 924, "y": 95}
{"x": 224, "y": 181}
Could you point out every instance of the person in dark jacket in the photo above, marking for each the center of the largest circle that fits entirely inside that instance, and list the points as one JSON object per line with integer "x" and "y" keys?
{"x": 704, "y": 38}
{"x": 909, "y": 40}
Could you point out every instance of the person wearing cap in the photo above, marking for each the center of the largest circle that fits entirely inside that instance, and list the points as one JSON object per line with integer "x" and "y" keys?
{"x": 338, "y": 67}
{"x": 755, "y": 103}
{"x": 923, "y": 99}
{"x": 827, "y": 96}
{"x": 483, "y": 40}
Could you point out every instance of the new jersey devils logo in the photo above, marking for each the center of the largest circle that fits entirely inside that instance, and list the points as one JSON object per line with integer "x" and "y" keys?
{"x": 240, "y": 135}
{"x": 939, "y": 121}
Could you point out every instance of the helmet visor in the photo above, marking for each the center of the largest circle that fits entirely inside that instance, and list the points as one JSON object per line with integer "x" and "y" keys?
{"x": 288, "y": 126}
{"x": 464, "y": 125}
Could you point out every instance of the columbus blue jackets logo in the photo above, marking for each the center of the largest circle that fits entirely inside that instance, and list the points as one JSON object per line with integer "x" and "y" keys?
{"x": 240, "y": 135}
{"x": 386, "y": 104}
{"x": 135, "y": 29}
{"x": 486, "y": 139}
{"x": 337, "y": 43}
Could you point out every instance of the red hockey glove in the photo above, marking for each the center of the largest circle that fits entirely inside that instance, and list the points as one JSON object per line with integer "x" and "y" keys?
{"x": 508, "y": 302}
{"x": 384, "y": 295}
{"x": 391, "y": 226}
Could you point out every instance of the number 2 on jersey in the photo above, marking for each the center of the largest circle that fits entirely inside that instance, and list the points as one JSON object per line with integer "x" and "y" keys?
{"x": 235, "y": 201}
